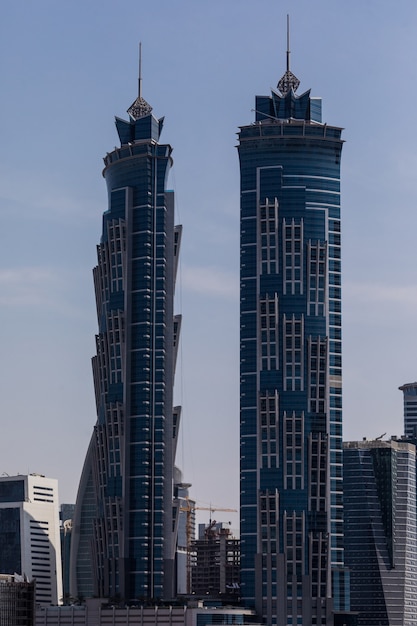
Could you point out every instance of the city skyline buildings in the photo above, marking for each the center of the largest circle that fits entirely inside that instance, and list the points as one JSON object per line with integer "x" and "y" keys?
{"x": 125, "y": 522}
{"x": 47, "y": 305}
{"x": 292, "y": 564}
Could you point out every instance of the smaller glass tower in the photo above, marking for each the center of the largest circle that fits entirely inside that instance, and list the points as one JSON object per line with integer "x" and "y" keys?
{"x": 410, "y": 409}
{"x": 380, "y": 530}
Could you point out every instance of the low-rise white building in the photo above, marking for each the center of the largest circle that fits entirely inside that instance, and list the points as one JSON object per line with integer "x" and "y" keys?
{"x": 97, "y": 612}
{"x": 29, "y": 533}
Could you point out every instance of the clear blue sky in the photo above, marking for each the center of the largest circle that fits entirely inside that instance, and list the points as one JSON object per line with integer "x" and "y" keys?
{"x": 67, "y": 68}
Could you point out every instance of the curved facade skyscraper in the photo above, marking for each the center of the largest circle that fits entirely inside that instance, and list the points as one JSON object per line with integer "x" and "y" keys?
{"x": 124, "y": 526}
{"x": 292, "y": 566}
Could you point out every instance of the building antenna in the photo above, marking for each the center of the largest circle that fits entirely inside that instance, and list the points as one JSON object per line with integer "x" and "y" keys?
{"x": 288, "y": 81}
{"x": 288, "y": 42}
{"x": 140, "y": 71}
{"x": 140, "y": 108}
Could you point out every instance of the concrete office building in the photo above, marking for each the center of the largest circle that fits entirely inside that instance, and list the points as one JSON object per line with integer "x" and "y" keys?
{"x": 123, "y": 535}
{"x": 29, "y": 533}
{"x": 292, "y": 563}
{"x": 380, "y": 530}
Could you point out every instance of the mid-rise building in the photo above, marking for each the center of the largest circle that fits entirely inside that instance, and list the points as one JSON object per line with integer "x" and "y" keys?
{"x": 380, "y": 530}
{"x": 292, "y": 563}
{"x": 123, "y": 535}
{"x": 410, "y": 409}
{"x": 29, "y": 533}
{"x": 17, "y": 601}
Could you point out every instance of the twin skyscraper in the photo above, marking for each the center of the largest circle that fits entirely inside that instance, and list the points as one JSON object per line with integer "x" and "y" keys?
{"x": 124, "y": 535}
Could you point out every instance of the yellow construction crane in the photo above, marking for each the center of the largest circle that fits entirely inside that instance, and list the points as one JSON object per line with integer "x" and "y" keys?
{"x": 188, "y": 509}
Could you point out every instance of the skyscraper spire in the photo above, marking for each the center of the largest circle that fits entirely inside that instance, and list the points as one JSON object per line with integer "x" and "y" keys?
{"x": 140, "y": 107}
{"x": 140, "y": 71}
{"x": 288, "y": 43}
{"x": 289, "y": 80}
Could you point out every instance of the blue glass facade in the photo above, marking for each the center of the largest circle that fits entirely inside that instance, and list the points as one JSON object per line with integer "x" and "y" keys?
{"x": 380, "y": 530}
{"x": 125, "y": 502}
{"x": 10, "y": 541}
{"x": 291, "y": 385}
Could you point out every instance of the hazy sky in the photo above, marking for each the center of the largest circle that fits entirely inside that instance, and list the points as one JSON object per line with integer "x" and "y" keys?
{"x": 67, "y": 68}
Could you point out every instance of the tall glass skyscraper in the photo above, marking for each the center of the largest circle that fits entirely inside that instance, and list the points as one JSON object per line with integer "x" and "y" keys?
{"x": 292, "y": 566}
{"x": 124, "y": 527}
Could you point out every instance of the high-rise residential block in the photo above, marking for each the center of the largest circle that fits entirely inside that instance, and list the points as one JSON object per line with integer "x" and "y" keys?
{"x": 292, "y": 564}
{"x": 380, "y": 530}
{"x": 123, "y": 537}
{"x": 29, "y": 533}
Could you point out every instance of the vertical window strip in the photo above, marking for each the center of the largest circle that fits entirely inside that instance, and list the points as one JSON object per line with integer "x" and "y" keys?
{"x": 318, "y": 545}
{"x": 293, "y": 352}
{"x": 114, "y": 435}
{"x": 293, "y": 450}
{"x": 102, "y": 359}
{"x": 292, "y": 240}
{"x": 268, "y": 325}
{"x": 318, "y": 462}
{"x": 116, "y": 244}
{"x": 294, "y": 524}
{"x": 268, "y": 507}
{"x": 317, "y": 277}
{"x": 317, "y": 350}
{"x": 103, "y": 272}
{"x": 268, "y": 233}
{"x": 116, "y": 342}
{"x": 269, "y": 429}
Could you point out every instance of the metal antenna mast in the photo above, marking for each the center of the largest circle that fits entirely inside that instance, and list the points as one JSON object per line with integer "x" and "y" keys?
{"x": 140, "y": 107}
{"x": 140, "y": 71}
{"x": 288, "y": 81}
{"x": 288, "y": 42}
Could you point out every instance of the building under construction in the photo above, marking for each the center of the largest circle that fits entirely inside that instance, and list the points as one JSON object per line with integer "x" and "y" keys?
{"x": 215, "y": 568}
{"x": 17, "y": 601}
